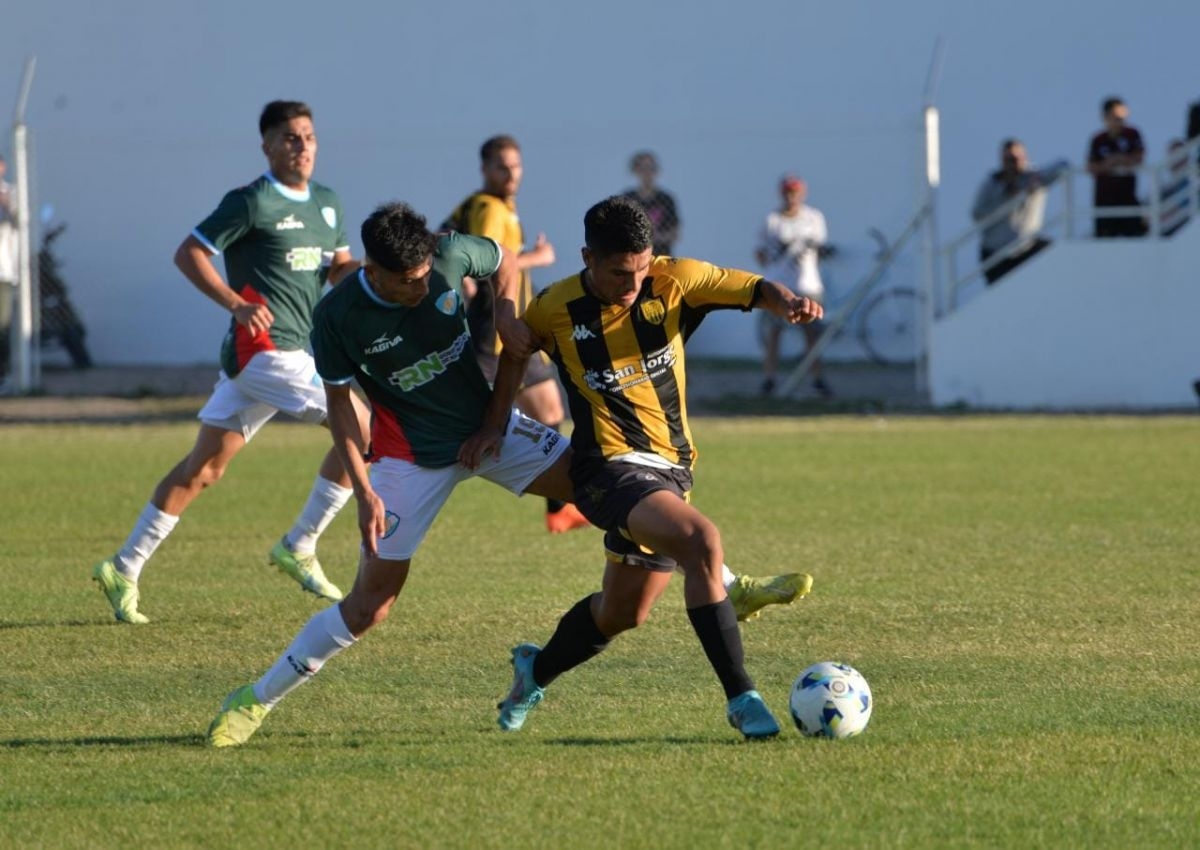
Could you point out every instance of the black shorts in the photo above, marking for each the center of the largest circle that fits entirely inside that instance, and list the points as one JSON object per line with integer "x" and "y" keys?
{"x": 606, "y": 492}
{"x": 538, "y": 370}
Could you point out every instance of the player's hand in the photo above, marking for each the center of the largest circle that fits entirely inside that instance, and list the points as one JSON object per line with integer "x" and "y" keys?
{"x": 801, "y": 311}
{"x": 255, "y": 318}
{"x": 486, "y": 441}
{"x": 372, "y": 521}
{"x": 542, "y": 252}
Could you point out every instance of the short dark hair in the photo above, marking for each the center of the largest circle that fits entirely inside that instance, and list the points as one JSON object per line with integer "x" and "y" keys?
{"x": 1110, "y": 103}
{"x": 279, "y": 112}
{"x": 617, "y": 225}
{"x": 496, "y": 144}
{"x": 397, "y": 238}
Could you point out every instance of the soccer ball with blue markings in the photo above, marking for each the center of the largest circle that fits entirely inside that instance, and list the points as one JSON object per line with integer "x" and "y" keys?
{"x": 831, "y": 700}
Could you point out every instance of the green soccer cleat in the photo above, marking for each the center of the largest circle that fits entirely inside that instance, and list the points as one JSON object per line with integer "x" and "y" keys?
{"x": 749, "y": 715}
{"x": 121, "y": 592}
{"x": 306, "y": 570}
{"x": 749, "y": 595}
{"x": 525, "y": 693}
{"x": 240, "y": 716}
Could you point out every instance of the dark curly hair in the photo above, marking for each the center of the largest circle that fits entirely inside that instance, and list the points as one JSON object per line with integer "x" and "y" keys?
{"x": 617, "y": 225}
{"x": 397, "y": 238}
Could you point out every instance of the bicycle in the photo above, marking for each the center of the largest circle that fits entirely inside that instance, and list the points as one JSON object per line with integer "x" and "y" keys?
{"x": 885, "y": 326}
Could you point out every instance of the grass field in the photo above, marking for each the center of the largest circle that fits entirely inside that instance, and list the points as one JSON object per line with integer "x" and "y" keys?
{"x": 1023, "y": 595}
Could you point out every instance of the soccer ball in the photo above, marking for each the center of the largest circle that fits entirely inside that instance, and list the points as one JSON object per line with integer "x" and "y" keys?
{"x": 831, "y": 700}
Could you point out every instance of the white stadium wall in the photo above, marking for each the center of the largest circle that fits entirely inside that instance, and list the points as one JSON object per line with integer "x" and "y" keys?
{"x": 1090, "y": 325}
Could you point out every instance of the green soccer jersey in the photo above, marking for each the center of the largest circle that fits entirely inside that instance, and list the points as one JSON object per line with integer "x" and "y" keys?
{"x": 416, "y": 364}
{"x": 278, "y": 244}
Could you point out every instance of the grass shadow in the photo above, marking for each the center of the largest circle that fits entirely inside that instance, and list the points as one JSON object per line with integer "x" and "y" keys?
{"x": 196, "y": 740}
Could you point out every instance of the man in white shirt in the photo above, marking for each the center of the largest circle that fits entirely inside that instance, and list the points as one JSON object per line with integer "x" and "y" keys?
{"x": 792, "y": 240}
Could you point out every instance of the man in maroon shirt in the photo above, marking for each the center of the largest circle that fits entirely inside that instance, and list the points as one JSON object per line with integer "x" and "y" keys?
{"x": 1113, "y": 157}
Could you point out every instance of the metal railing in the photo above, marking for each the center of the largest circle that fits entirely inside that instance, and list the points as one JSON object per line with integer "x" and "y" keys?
{"x": 1172, "y": 192}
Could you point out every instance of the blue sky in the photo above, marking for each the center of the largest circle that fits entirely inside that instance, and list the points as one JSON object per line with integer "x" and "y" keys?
{"x": 145, "y": 113}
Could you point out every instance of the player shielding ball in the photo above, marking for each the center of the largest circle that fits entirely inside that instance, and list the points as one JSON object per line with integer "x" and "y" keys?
{"x": 398, "y": 326}
{"x": 616, "y": 332}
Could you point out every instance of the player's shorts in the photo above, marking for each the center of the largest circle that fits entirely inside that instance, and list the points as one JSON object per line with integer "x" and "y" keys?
{"x": 271, "y": 382}
{"x": 607, "y": 496}
{"x": 413, "y": 495}
{"x": 538, "y": 370}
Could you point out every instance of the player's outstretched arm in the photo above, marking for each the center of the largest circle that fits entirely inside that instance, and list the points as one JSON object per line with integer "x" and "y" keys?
{"x": 506, "y": 282}
{"x": 350, "y": 443}
{"x": 487, "y": 439}
{"x": 778, "y": 299}
{"x": 194, "y": 260}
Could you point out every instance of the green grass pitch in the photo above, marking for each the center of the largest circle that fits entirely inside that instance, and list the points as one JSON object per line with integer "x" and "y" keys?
{"x": 1023, "y": 595}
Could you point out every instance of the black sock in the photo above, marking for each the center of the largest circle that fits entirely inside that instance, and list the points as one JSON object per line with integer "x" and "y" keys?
{"x": 553, "y": 506}
{"x": 716, "y": 626}
{"x": 576, "y": 639}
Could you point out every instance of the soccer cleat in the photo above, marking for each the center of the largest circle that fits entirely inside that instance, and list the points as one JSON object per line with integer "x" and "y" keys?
{"x": 306, "y": 570}
{"x": 525, "y": 693}
{"x": 240, "y": 716}
{"x": 121, "y": 592}
{"x": 749, "y": 595}
{"x": 566, "y": 519}
{"x": 749, "y": 715}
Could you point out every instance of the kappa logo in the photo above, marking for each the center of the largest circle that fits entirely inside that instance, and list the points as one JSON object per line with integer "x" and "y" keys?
{"x": 582, "y": 332}
{"x": 383, "y": 343}
{"x": 289, "y": 223}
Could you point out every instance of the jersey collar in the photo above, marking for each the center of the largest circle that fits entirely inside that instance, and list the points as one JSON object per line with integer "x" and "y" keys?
{"x": 287, "y": 192}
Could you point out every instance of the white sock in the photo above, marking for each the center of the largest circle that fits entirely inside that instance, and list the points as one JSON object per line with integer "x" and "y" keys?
{"x": 322, "y": 637}
{"x": 151, "y": 528}
{"x": 325, "y": 500}
{"x": 727, "y": 576}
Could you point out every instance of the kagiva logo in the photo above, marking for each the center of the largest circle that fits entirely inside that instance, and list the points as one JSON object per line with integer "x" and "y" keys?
{"x": 592, "y": 378}
{"x": 383, "y": 344}
{"x": 289, "y": 223}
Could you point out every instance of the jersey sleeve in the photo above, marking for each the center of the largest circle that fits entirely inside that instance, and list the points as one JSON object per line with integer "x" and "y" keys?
{"x": 706, "y": 284}
{"x": 329, "y": 352}
{"x": 229, "y": 222}
{"x": 481, "y": 255}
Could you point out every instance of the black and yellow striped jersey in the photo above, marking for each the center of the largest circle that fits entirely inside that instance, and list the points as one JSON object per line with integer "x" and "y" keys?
{"x": 623, "y": 367}
{"x": 482, "y": 214}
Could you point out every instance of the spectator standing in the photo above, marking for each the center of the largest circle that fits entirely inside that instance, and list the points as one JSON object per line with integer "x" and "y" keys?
{"x": 1018, "y": 232}
{"x": 1114, "y": 155}
{"x": 658, "y": 204}
{"x": 792, "y": 239}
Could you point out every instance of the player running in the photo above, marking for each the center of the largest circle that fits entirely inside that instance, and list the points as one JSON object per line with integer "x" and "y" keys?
{"x": 616, "y": 332}
{"x": 282, "y": 236}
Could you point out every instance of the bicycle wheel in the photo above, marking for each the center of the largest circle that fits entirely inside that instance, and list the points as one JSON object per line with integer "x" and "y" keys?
{"x": 888, "y": 327}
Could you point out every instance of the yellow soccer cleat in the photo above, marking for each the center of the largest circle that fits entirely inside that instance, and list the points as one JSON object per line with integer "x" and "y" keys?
{"x": 240, "y": 716}
{"x": 750, "y": 595}
{"x": 121, "y": 592}
{"x": 306, "y": 570}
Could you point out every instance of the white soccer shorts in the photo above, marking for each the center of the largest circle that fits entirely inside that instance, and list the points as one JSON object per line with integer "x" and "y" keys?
{"x": 271, "y": 382}
{"x": 413, "y": 495}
